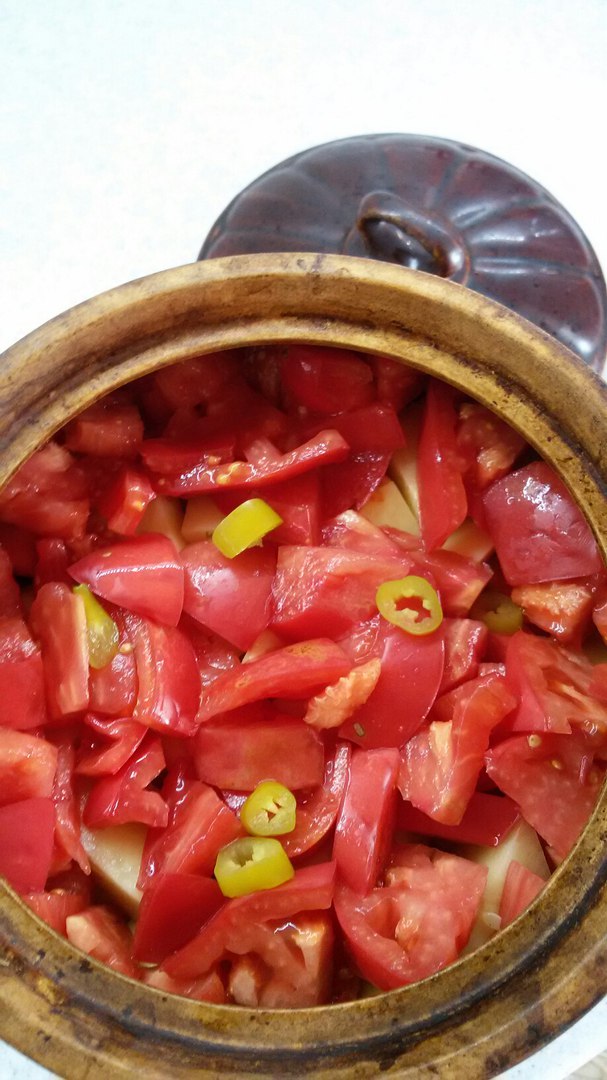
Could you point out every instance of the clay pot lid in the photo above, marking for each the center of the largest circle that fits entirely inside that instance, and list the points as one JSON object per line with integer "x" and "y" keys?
{"x": 434, "y": 205}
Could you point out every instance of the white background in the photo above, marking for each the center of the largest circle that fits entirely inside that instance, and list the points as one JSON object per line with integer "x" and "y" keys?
{"x": 127, "y": 125}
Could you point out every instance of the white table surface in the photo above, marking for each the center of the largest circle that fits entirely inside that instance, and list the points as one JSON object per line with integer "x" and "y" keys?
{"x": 127, "y": 125}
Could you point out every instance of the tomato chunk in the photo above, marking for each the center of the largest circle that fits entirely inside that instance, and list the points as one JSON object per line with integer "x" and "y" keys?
{"x": 58, "y": 621}
{"x": 27, "y": 766}
{"x": 239, "y": 754}
{"x": 22, "y": 695}
{"x": 365, "y": 824}
{"x": 212, "y": 581}
{"x": 26, "y": 843}
{"x": 172, "y": 911}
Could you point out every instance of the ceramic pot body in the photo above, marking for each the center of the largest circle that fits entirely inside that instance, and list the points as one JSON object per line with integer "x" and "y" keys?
{"x": 485, "y": 1012}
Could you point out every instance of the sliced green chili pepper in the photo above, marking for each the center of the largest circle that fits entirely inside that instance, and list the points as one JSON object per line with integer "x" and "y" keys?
{"x": 411, "y": 603}
{"x": 103, "y": 635}
{"x": 251, "y": 864}
{"x": 269, "y": 810}
{"x": 244, "y": 527}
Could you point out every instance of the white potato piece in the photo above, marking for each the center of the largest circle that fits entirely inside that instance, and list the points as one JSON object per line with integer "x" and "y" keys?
{"x": 470, "y": 540}
{"x": 388, "y": 507}
{"x": 521, "y": 844}
{"x": 115, "y": 855}
{"x": 202, "y": 516}
{"x": 164, "y": 515}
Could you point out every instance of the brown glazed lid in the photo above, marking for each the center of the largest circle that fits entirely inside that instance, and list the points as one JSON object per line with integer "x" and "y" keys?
{"x": 434, "y": 205}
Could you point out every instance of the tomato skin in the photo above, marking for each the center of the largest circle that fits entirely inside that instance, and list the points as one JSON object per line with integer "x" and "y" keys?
{"x": 374, "y": 428}
{"x": 22, "y": 694}
{"x": 55, "y": 906}
{"x": 317, "y": 810}
{"x": 295, "y": 671}
{"x": 10, "y": 596}
{"x": 459, "y": 580}
{"x": 47, "y": 496}
{"x": 326, "y": 590}
{"x": 311, "y": 889}
{"x": 113, "y": 689}
{"x": 411, "y": 673}
{"x": 417, "y": 923}
{"x": 538, "y": 531}
{"x": 106, "y": 429}
{"x": 465, "y": 644}
{"x": 58, "y": 622}
{"x": 520, "y": 889}
{"x": 365, "y": 824}
{"x": 140, "y": 573}
{"x": 556, "y": 800}
{"x": 441, "y": 764}
{"x": 98, "y": 932}
{"x": 123, "y": 503}
{"x": 239, "y": 755}
{"x": 172, "y": 911}
{"x": 488, "y": 445}
{"x": 118, "y": 799}
{"x": 553, "y": 687}
{"x": 110, "y": 744}
{"x": 561, "y": 608}
{"x": 27, "y": 766}
{"x": 199, "y": 824}
{"x": 325, "y": 448}
{"x": 212, "y": 581}
{"x": 27, "y": 829}
{"x": 443, "y": 503}
{"x": 325, "y": 380}
{"x": 68, "y": 845}
{"x": 351, "y": 483}
{"x": 486, "y": 821}
{"x": 168, "y": 680}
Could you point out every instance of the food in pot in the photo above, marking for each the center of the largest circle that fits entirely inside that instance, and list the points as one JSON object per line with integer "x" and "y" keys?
{"x": 304, "y": 690}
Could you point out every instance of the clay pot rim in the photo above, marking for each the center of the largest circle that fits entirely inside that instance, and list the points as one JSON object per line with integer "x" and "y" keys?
{"x": 121, "y": 327}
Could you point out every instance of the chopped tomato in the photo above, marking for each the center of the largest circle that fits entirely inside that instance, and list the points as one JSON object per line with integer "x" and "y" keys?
{"x": 10, "y": 596}
{"x": 58, "y": 622}
{"x": 326, "y": 380}
{"x": 317, "y": 809}
{"x": 124, "y": 502}
{"x": 351, "y": 483}
{"x": 443, "y": 505}
{"x": 372, "y": 429}
{"x": 486, "y": 821}
{"x": 418, "y": 922}
{"x": 172, "y": 911}
{"x": 198, "y": 380}
{"x": 553, "y": 687}
{"x": 55, "y": 906}
{"x": 108, "y": 746}
{"x": 488, "y": 445}
{"x": 199, "y": 825}
{"x": 113, "y": 688}
{"x": 465, "y": 643}
{"x": 289, "y": 964}
{"x": 168, "y": 692}
{"x": 327, "y": 590}
{"x": 27, "y": 766}
{"x": 114, "y": 800}
{"x": 48, "y": 495}
{"x": 325, "y": 448}
{"x": 520, "y": 889}
{"x": 538, "y": 531}
{"x": 411, "y": 673}
{"x": 68, "y": 845}
{"x": 459, "y": 580}
{"x": 296, "y": 671}
{"x": 396, "y": 384}
{"x": 212, "y": 582}
{"x": 335, "y": 704}
{"x": 100, "y": 933}
{"x": 365, "y": 823}
{"x": 553, "y": 781}
{"x": 141, "y": 573}
{"x": 209, "y": 988}
{"x": 22, "y": 694}
{"x": 441, "y": 764}
{"x": 26, "y": 843}
{"x": 311, "y": 889}
{"x": 106, "y": 429}
{"x": 561, "y": 608}
{"x": 240, "y": 754}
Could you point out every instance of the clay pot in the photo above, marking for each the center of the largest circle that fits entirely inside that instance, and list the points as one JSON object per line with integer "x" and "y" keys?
{"x": 485, "y": 1012}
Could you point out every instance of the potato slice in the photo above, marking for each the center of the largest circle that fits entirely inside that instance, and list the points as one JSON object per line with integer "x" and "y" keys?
{"x": 115, "y": 855}
{"x": 164, "y": 515}
{"x": 388, "y": 507}
{"x": 202, "y": 516}
{"x": 470, "y": 540}
{"x": 522, "y": 844}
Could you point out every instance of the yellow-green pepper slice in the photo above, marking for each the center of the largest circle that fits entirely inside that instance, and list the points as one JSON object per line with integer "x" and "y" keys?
{"x": 102, "y": 632}
{"x": 251, "y": 864}
{"x": 244, "y": 527}
{"x": 411, "y": 603}
{"x": 498, "y": 612}
{"x": 269, "y": 810}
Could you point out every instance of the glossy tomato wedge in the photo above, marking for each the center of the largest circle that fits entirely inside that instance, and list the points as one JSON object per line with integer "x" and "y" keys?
{"x": 365, "y": 823}
{"x": 99, "y": 932}
{"x": 520, "y": 889}
{"x": 115, "y": 800}
{"x": 411, "y": 673}
{"x": 317, "y": 809}
{"x": 168, "y": 680}
{"x": 486, "y": 821}
{"x": 58, "y": 622}
{"x": 418, "y": 922}
{"x": 311, "y": 889}
{"x": 141, "y": 573}
{"x": 22, "y": 694}
{"x": 219, "y": 591}
{"x": 172, "y": 911}
{"x": 238, "y": 754}
{"x": 28, "y": 765}
{"x": 295, "y": 671}
{"x": 443, "y": 503}
{"x": 26, "y": 843}
{"x": 326, "y": 380}
{"x": 108, "y": 744}
{"x": 48, "y": 496}
{"x": 538, "y": 531}
{"x": 441, "y": 764}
